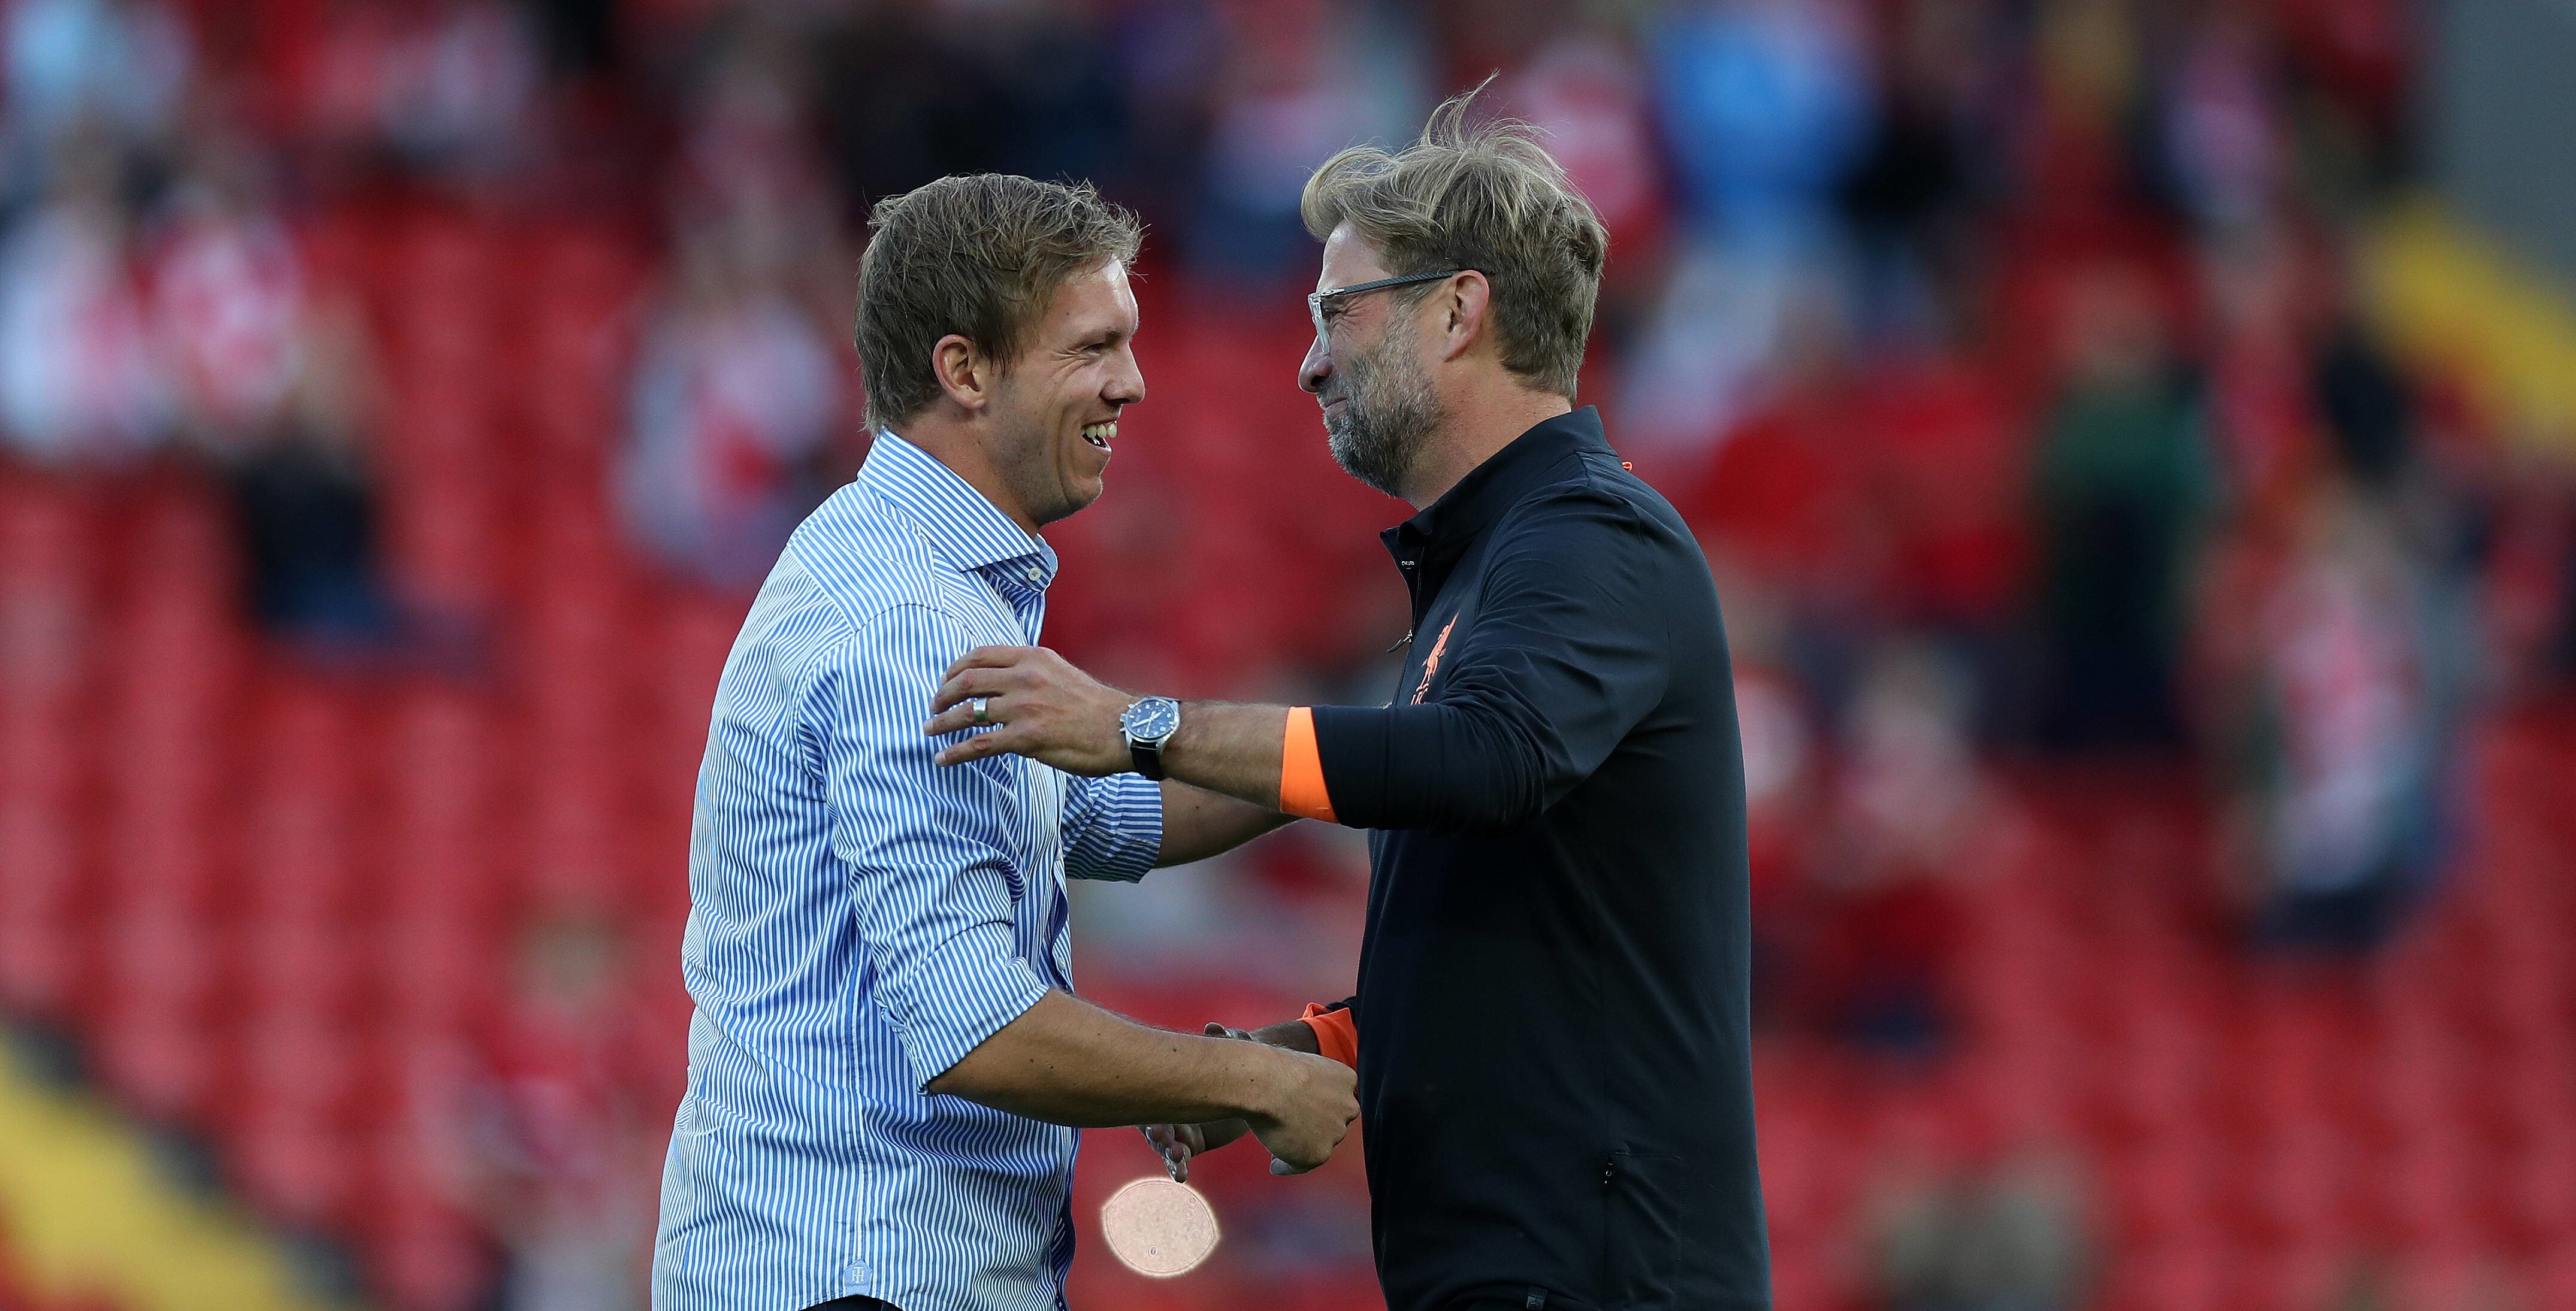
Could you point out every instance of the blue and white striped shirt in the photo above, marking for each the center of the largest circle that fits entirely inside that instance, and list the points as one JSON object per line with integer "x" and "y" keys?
{"x": 861, "y": 918}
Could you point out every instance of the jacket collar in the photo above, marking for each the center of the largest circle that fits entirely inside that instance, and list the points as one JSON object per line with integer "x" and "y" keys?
{"x": 1426, "y": 545}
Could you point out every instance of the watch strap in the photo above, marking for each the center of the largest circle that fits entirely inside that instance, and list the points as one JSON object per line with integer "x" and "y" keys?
{"x": 1148, "y": 758}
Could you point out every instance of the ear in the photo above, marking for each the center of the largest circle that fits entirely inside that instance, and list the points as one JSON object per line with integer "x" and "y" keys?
{"x": 1464, "y": 302}
{"x": 963, "y": 372}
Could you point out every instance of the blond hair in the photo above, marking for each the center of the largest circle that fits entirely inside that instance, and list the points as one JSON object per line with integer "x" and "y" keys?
{"x": 1486, "y": 197}
{"x": 978, "y": 256}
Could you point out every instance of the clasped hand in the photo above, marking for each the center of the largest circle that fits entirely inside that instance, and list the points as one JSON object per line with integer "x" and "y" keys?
{"x": 1177, "y": 1143}
{"x": 1033, "y": 703}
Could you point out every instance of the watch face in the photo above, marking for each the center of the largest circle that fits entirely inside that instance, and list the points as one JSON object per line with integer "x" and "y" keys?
{"x": 1152, "y": 719}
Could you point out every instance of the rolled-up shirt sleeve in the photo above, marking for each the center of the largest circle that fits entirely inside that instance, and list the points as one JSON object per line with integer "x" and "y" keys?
{"x": 1113, "y": 827}
{"x": 925, "y": 847}
{"x": 1564, "y": 654}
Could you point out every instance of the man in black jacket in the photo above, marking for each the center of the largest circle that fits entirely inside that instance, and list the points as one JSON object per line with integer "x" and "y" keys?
{"x": 1551, "y": 1022}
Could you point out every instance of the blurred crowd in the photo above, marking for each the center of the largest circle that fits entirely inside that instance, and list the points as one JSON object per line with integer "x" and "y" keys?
{"x": 2013, "y": 360}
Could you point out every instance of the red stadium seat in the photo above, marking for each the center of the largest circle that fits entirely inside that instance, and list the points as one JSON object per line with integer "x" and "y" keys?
{"x": 161, "y": 1065}
{"x": 292, "y": 1168}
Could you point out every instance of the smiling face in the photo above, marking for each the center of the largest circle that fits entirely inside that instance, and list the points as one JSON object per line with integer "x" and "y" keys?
{"x": 1365, "y": 369}
{"x": 1055, "y": 412}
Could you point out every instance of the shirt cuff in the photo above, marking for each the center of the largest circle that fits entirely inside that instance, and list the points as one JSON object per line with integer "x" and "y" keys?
{"x": 969, "y": 988}
{"x": 1337, "y": 1033}
{"x": 1301, "y": 772}
{"x": 1124, "y": 836}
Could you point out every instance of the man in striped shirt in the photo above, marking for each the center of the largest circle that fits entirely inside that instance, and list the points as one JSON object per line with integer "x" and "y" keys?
{"x": 887, "y": 1065}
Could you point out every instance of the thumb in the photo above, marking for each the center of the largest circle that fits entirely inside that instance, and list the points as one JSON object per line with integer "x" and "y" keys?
{"x": 1278, "y": 1166}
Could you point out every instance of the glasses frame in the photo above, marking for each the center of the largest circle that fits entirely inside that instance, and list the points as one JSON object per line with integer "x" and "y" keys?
{"x": 1315, "y": 299}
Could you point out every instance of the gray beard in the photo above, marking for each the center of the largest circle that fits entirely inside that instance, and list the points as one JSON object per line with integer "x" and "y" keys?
{"x": 1389, "y": 416}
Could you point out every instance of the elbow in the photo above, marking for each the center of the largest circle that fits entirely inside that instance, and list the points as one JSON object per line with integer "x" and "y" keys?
{"x": 1510, "y": 802}
{"x": 955, "y": 1081}
{"x": 965, "y": 1078}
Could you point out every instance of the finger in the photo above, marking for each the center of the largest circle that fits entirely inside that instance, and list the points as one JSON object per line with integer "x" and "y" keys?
{"x": 1280, "y": 1167}
{"x": 1172, "y": 1147}
{"x": 966, "y": 683}
{"x": 989, "y": 657}
{"x": 959, "y": 717}
{"x": 994, "y": 743}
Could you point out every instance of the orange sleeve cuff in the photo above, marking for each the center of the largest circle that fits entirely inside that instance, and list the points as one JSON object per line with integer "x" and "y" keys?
{"x": 1301, "y": 770}
{"x": 1337, "y": 1035}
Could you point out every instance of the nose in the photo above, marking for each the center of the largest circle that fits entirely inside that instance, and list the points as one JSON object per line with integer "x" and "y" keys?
{"x": 1316, "y": 368}
{"x": 1127, "y": 383}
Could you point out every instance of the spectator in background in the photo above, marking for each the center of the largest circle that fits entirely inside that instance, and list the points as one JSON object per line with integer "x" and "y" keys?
{"x": 2223, "y": 138}
{"x": 273, "y": 385}
{"x": 2366, "y": 404}
{"x": 1909, "y": 795}
{"x": 2262, "y": 410}
{"x": 922, "y": 90}
{"x": 1908, "y": 193}
{"x": 306, "y": 499}
{"x": 445, "y": 88}
{"x": 2336, "y": 625}
{"x": 737, "y": 395}
{"x": 80, "y": 382}
{"x": 558, "y": 1159}
{"x": 1781, "y": 780}
{"x": 1296, "y": 88}
{"x": 113, "y": 67}
{"x": 2016, "y": 1238}
{"x": 2338, "y": 746}
{"x": 228, "y": 299}
{"x": 2121, "y": 487}
{"x": 1588, "y": 93}
{"x": 1764, "y": 107}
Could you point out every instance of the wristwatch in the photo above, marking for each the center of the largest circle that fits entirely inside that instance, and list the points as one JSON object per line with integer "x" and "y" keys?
{"x": 1147, "y": 725}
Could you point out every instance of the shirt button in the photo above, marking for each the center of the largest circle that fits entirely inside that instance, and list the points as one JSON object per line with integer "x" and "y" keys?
{"x": 1037, "y": 575}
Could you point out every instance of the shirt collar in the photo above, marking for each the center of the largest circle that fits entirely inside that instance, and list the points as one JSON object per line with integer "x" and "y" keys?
{"x": 964, "y": 528}
{"x": 1480, "y": 498}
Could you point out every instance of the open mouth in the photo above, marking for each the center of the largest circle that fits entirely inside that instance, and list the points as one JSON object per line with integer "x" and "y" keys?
{"x": 1100, "y": 434}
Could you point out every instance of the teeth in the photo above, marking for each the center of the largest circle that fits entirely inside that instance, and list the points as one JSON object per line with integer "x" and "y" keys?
{"x": 1100, "y": 434}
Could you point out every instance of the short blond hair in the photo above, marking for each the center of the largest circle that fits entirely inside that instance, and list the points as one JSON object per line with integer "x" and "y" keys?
{"x": 977, "y": 256}
{"x": 1486, "y": 197}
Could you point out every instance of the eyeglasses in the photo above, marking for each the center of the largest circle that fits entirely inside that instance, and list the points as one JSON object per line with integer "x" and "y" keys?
{"x": 1315, "y": 300}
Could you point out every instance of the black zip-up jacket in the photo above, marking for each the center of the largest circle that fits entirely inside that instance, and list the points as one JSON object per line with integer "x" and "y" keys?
{"x": 1554, "y": 1072}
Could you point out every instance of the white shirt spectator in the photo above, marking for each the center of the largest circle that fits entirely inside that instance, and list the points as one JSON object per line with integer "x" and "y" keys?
{"x": 228, "y": 294}
{"x": 79, "y": 379}
{"x": 732, "y": 397}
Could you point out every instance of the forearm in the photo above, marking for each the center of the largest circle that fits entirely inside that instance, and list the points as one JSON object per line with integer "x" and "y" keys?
{"x": 1068, "y": 1062}
{"x": 1198, "y": 823}
{"x": 1295, "y": 1035}
{"x": 1229, "y": 749}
